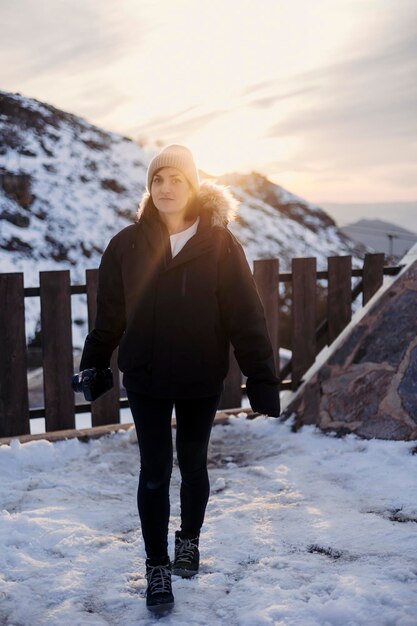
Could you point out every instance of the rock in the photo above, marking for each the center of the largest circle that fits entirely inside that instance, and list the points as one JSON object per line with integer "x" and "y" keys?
{"x": 391, "y": 335}
{"x": 407, "y": 389}
{"x": 369, "y": 384}
{"x": 384, "y": 427}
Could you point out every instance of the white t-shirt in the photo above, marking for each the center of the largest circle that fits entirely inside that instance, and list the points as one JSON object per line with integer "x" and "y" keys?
{"x": 178, "y": 240}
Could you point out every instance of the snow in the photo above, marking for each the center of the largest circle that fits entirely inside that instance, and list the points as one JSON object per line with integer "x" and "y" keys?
{"x": 302, "y": 529}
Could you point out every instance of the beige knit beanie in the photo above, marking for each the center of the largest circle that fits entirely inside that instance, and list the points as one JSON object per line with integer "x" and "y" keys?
{"x": 177, "y": 156}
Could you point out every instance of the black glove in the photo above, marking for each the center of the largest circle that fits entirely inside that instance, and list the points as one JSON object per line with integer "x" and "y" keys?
{"x": 93, "y": 382}
{"x": 264, "y": 397}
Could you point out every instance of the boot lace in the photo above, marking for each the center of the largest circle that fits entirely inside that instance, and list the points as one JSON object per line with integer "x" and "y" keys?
{"x": 186, "y": 549}
{"x": 159, "y": 579}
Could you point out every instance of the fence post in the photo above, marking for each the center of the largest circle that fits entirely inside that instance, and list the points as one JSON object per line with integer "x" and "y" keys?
{"x": 55, "y": 292}
{"x": 373, "y": 275}
{"x": 14, "y": 403}
{"x": 303, "y": 317}
{"x": 339, "y": 294}
{"x": 106, "y": 409}
{"x": 266, "y": 273}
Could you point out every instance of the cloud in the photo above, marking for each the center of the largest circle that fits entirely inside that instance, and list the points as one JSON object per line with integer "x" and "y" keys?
{"x": 363, "y": 108}
{"x": 99, "y": 100}
{"x": 162, "y": 120}
{"x": 268, "y": 101}
{"x": 73, "y": 36}
{"x": 258, "y": 86}
{"x": 286, "y": 165}
{"x": 401, "y": 176}
{"x": 172, "y": 130}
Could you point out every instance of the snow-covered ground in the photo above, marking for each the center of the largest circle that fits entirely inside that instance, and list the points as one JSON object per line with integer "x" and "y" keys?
{"x": 302, "y": 529}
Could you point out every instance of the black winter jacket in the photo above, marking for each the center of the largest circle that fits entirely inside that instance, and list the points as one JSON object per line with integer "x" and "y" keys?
{"x": 173, "y": 318}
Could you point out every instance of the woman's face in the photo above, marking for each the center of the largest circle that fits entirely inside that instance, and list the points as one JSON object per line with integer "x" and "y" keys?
{"x": 170, "y": 191}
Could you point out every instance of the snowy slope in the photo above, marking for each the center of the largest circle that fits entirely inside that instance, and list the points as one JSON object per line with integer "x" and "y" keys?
{"x": 273, "y": 223}
{"x": 66, "y": 187}
{"x": 302, "y": 529}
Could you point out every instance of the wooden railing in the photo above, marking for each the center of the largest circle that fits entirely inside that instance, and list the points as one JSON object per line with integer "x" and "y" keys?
{"x": 55, "y": 293}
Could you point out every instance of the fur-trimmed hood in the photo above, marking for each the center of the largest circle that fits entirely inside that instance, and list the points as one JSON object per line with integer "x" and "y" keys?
{"x": 213, "y": 198}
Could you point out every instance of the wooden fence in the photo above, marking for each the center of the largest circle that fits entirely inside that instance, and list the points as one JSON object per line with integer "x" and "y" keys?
{"x": 55, "y": 293}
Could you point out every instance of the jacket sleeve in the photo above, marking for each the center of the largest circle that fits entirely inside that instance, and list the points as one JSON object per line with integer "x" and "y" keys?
{"x": 244, "y": 318}
{"x": 110, "y": 322}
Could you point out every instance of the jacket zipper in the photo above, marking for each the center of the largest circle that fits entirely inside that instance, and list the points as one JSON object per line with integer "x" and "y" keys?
{"x": 184, "y": 279}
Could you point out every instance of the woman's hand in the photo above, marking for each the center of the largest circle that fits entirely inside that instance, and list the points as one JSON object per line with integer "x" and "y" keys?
{"x": 264, "y": 397}
{"x": 93, "y": 382}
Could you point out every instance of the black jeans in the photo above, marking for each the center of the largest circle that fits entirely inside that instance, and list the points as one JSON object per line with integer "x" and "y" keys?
{"x": 152, "y": 417}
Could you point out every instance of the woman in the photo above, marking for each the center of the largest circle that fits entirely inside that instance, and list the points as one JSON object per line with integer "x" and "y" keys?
{"x": 174, "y": 289}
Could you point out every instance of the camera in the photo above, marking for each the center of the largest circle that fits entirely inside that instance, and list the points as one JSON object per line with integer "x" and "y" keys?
{"x": 93, "y": 382}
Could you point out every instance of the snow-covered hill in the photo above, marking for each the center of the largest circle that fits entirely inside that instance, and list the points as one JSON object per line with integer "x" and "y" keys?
{"x": 274, "y": 223}
{"x": 66, "y": 187}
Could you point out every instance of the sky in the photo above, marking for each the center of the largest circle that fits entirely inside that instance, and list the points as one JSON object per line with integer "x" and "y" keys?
{"x": 320, "y": 96}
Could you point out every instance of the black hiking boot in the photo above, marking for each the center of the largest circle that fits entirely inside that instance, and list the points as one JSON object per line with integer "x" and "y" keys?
{"x": 159, "y": 598}
{"x": 187, "y": 556}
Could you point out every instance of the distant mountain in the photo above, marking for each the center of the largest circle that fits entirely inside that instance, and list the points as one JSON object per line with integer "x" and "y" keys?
{"x": 382, "y": 236}
{"x": 402, "y": 213}
{"x": 67, "y": 186}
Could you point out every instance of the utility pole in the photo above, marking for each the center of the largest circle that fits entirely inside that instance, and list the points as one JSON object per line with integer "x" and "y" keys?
{"x": 391, "y": 243}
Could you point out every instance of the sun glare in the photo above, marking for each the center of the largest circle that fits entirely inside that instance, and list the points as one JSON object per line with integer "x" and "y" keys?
{"x": 228, "y": 141}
